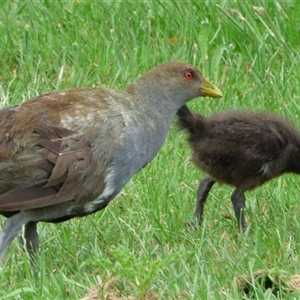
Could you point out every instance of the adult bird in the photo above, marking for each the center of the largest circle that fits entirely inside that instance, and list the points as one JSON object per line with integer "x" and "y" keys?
{"x": 240, "y": 148}
{"x": 68, "y": 153}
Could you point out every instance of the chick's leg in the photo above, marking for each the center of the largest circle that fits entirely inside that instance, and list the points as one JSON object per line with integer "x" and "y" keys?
{"x": 238, "y": 200}
{"x": 203, "y": 189}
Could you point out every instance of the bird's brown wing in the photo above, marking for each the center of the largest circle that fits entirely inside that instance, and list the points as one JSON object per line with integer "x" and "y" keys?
{"x": 66, "y": 157}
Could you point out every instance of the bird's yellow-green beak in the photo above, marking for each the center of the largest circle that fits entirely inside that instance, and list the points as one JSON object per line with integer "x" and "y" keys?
{"x": 209, "y": 90}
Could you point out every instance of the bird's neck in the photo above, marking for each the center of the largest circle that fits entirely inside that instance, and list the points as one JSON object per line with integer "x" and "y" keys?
{"x": 155, "y": 97}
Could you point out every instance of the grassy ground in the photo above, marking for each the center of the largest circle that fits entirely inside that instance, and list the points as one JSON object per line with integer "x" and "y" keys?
{"x": 139, "y": 247}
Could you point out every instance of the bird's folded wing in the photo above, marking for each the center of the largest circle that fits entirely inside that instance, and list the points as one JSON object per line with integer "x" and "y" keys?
{"x": 271, "y": 143}
{"x": 64, "y": 155}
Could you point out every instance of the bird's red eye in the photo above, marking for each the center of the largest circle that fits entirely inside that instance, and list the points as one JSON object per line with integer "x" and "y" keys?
{"x": 188, "y": 75}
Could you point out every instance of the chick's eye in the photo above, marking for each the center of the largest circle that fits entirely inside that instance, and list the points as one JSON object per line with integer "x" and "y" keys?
{"x": 188, "y": 75}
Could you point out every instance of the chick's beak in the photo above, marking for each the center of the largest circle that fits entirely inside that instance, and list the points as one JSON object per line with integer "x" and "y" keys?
{"x": 209, "y": 90}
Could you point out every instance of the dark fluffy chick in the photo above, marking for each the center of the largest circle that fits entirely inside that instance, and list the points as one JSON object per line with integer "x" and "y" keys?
{"x": 240, "y": 148}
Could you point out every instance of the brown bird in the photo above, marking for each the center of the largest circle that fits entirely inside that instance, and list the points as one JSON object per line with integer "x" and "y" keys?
{"x": 69, "y": 153}
{"x": 240, "y": 148}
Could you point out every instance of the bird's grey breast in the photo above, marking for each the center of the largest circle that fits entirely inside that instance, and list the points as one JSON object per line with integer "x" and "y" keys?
{"x": 143, "y": 135}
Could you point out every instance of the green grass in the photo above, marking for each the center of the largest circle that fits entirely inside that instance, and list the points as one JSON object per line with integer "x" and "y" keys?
{"x": 139, "y": 245}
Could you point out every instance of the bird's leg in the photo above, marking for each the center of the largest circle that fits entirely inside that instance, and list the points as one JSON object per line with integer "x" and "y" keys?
{"x": 203, "y": 189}
{"x": 12, "y": 227}
{"x": 31, "y": 239}
{"x": 238, "y": 201}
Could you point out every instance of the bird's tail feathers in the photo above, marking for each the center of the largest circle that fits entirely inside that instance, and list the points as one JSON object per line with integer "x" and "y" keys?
{"x": 193, "y": 123}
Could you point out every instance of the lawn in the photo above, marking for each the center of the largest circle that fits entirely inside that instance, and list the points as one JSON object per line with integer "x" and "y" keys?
{"x": 139, "y": 247}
